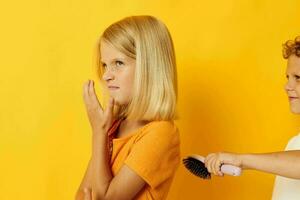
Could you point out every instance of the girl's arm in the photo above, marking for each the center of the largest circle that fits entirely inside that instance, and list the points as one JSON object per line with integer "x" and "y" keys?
{"x": 284, "y": 163}
{"x": 107, "y": 187}
{"x": 85, "y": 183}
{"x": 125, "y": 185}
{"x": 98, "y": 178}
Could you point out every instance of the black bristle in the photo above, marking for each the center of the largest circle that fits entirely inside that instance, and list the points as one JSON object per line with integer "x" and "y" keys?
{"x": 196, "y": 167}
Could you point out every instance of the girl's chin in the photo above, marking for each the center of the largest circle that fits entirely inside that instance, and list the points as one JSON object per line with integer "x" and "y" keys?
{"x": 118, "y": 102}
{"x": 295, "y": 110}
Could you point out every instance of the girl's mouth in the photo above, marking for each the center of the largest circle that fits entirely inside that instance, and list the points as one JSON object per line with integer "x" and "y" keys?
{"x": 293, "y": 98}
{"x": 113, "y": 87}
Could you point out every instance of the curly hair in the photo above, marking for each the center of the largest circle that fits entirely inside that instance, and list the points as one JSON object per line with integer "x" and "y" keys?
{"x": 291, "y": 47}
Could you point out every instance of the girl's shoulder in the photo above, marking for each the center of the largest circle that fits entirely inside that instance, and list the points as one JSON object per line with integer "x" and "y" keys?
{"x": 160, "y": 130}
{"x": 165, "y": 125}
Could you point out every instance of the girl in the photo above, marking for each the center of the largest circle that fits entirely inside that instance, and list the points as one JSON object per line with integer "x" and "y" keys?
{"x": 135, "y": 143}
{"x": 285, "y": 164}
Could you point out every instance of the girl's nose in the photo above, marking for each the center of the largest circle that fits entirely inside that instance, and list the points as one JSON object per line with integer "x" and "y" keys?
{"x": 288, "y": 86}
{"x": 108, "y": 75}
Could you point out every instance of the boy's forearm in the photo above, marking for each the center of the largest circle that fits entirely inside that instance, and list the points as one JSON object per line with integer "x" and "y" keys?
{"x": 286, "y": 163}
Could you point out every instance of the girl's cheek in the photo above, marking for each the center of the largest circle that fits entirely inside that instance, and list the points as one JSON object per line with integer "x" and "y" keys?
{"x": 297, "y": 89}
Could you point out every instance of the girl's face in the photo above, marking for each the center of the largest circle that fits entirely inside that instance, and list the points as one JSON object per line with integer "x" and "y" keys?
{"x": 292, "y": 86}
{"x": 118, "y": 73}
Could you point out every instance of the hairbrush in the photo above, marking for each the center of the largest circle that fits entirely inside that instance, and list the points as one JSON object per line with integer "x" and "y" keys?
{"x": 195, "y": 164}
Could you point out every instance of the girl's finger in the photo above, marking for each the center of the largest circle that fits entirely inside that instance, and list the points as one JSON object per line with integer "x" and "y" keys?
{"x": 109, "y": 110}
{"x": 87, "y": 194}
{"x": 93, "y": 95}
{"x": 85, "y": 90}
{"x": 91, "y": 87}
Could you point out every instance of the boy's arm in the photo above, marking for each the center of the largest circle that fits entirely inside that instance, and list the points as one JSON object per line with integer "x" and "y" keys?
{"x": 284, "y": 163}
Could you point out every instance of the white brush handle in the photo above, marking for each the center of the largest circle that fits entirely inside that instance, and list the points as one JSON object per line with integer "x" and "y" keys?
{"x": 231, "y": 170}
{"x": 226, "y": 169}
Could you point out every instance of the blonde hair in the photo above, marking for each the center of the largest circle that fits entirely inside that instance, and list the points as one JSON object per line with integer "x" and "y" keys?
{"x": 148, "y": 41}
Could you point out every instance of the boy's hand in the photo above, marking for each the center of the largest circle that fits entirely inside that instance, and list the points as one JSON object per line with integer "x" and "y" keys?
{"x": 214, "y": 161}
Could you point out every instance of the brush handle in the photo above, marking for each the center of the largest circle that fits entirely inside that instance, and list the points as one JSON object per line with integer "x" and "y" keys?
{"x": 231, "y": 170}
{"x": 226, "y": 169}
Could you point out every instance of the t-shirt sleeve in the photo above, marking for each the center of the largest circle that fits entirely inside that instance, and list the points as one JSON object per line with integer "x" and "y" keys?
{"x": 155, "y": 156}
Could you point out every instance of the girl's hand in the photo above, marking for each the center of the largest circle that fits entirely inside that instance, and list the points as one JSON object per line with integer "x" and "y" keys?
{"x": 100, "y": 120}
{"x": 214, "y": 161}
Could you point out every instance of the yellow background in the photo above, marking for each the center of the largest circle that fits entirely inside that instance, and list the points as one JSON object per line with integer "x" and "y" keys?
{"x": 231, "y": 97}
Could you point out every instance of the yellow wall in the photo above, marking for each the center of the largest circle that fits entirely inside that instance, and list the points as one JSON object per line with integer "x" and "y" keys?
{"x": 231, "y": 77}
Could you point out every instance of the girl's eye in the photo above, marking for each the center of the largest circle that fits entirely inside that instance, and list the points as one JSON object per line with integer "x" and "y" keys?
{"x": 103, "y": 65}
{"x": 297, "y": 77}
{"x": 119, "y": 63}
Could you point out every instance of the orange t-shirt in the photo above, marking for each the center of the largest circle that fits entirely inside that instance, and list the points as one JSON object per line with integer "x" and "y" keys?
{"x": 153, "y": 152}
